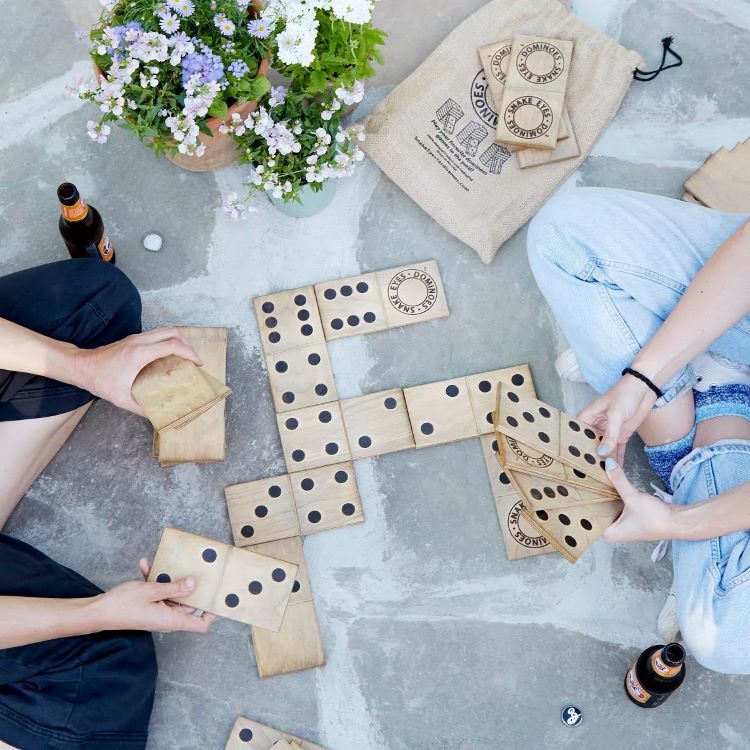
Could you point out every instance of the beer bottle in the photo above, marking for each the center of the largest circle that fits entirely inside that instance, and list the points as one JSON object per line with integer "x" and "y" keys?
{"x": 82, "y": 227}
{"x": 655, "y": 675}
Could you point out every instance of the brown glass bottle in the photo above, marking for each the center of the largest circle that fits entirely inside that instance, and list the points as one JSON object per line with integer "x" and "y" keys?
{"x": 82, "y": 227}
{"x": 655, "y": 675}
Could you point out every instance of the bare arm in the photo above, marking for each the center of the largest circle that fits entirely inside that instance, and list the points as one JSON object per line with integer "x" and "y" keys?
{"x": 107, "y": 371}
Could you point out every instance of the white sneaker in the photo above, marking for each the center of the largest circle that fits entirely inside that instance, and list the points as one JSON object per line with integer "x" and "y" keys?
{"x": 567, "y": 367}
{"x": 713, "y": 370}
{"x": 666, "y": 622}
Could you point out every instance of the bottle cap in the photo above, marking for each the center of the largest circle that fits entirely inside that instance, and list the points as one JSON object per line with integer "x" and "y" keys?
{"x": 571, "y": 716}
{"x": 152, "y": 242}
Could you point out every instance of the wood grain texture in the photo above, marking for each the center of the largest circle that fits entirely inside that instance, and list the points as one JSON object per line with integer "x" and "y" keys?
{"x": 292, "y": 551}
{"x": 521, "y": 539}
{"x": 247, "y": 734}
{"x": 301, "y": 377}
{"x": 351, "y": 306}
{"x": 723, "y": 181}
{"x": 539, "y": 493}
{"x": 412, "y": 294}
{"x": 483, "y": 392}
{"x": 377, "y": 423}
{"x": 565, "y": 148}
{"x": 500, "y": 483}
{"x": 288, "y": 320}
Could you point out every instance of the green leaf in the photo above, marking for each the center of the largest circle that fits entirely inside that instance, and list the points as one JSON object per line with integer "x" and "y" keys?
{"x": 204, "y": 128}
{"x": 219, "y": 109}
{"x": 253, "y": 88}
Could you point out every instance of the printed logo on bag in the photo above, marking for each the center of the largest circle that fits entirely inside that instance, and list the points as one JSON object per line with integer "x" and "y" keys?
{"x": 481, "y": 101}
{"x": 412, "y": 291}
{"x": 533, "y": 112}
{"x": 522, "y": 531}
{"x": 499, "y": 62}
{"x": 540, "y": 62}
{"x": 530, "y": 457}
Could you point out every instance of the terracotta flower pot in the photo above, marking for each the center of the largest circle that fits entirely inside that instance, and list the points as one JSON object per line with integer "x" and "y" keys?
{"x": 221, "y": 150}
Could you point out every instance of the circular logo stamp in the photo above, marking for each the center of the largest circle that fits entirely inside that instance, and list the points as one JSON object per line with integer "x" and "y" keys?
{"x": 481, "y": 101}
{"x": 528, "y": 117}
{"x": 540, "y": 62}
{"x": 522, "y": 531}
{"x": 571, "y": 716}
{"x": 499, "y": 63}
{"x": 531, "y": 456}
{"x": 412, "y": 291}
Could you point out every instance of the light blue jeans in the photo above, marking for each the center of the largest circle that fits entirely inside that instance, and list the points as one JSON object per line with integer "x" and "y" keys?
{"x": 612, "y": 265}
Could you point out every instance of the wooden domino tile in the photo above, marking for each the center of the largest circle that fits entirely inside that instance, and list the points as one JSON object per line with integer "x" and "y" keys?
{"x": 483, "y": 392}
{"x": 301, "y": 377}
{"x": 247, "y": 734}
{"x": 574, "y": 529}
{"x": 288, "y": 320}
{"x": 579, "y": 443}
{"x": 313, "y": 437}
{"x": 539, "y": 493}
{"x": 412, "y": 294}
{"x": 440, "y": 412}
{"x": 262, "y": 511}
{"x": 327, "y": 498}
{"x": 521, "y": 538}
{"x": 499, "y": 479}
{"x": 290, "y": 550}
{"x": 350, "y": 306}
{"x": 377, "y": 423}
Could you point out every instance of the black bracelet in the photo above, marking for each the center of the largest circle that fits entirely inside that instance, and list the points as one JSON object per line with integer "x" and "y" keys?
{"x": 643, "y": 379}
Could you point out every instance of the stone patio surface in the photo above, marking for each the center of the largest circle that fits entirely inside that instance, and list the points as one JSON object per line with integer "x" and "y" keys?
{"x": 434, "y": 640}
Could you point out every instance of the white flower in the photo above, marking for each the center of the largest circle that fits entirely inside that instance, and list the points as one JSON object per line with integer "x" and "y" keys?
{"x": 236, "y": 208}
{"x": 98, "y": 132}
{"x": 184, "y": 7}
{"x": 326, "y": 114}
{"x": 77, "y": 88}
{"x": 101, "y": 49}
{"x": 223, "y": 24}
{"x": 170, "y": 23}
{"x": 132, "y": 104}
{"x": 354, "y": 11}
{"x": 277, "y": 97}
{"x": 340, "y": 136}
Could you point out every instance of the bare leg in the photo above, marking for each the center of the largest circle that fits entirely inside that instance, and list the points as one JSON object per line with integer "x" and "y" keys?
{"x": 26, "y": 447}
{"x": 670, "y": 423}
{"x": 721, "y": 428}
{"x": 3, "y": 746}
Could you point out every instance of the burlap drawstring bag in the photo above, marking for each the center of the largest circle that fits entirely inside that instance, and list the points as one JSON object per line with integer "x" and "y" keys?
{"x": 434, "y": 134}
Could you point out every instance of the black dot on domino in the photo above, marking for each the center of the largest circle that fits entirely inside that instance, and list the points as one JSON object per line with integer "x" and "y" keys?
{"x": 549, "y": 492}
{"x": 362, "y": 287}
{"x": 325, "y": 417}
{"x": 513, "y": 397}
{"x": 321, "y": 389}
{"x": 390, "y": 403}
{"x": 303, "y": 315}
{"x": 570, "y": 541}
{"x": 451, "y": 391}
{"x": 528, "y": 416}
{"x": 535, "y": 494}
{"x": 346, "y": 290}
{"x": 574, "y": 451}
{"x": 274, "y": 491}
{"x": 288, "y": 397}
{"x": 348, "y": 509}
{"x": 261, "y": 511}
{"x": 271, "y": 322}
{"x": 337, "y": 324}
{"x": 298, "y": 456}
{"x": 544, "y": 412}
{"x": 544, "y": 437}
{"x": 517, "y": 379}
{"x": 495, "y": 447}
{"x": 341, "y": 477}
{"x": 163, "y": 578}
{"x": 296, "y": 587}
{"x": 306, "y": 329}
{"x": 602, "y": 465}
{"x": 307, "y": 484}
{"x": 267, "y": 307}
{"x": 274, "y": 337}
{"x": 490, "y": 417}
{"x": 278, "y": 575}
{"x": 542, "y": 515}
{"x": 246, "y": 734}
{"x": 586, "y": 524}
{"x": 579, "y": 474}
{"x": 332, "y": 449}
{"x": 365, "y": 441}
{"x": 353, "y": 321}
{"x": 426, "y": 428}
{"x": 330, "y": 294}
{"x": 564, "y": 520}
{"x": 247, "y": 531}
{"x": 369, "y": 317}
{"x": 314, "y": 516}
{"x": 562, "y": 490}
{"x": 300, "y": 300}
{"x": 231, "y": 600}
{"x": 512, "y": 421}
{"x": 291, "y": 423}
{"x": 313, "y": 359}
{"x": 209, "y": 555}
{"x": 589, "y": 433}
{"x": 255, "y": 587}
{"x": 504, "y": 478}
{"x": 589, "y": 458}
{"x": 281, "y": 366}
{"x": 485, "y": 386}
{"x": 574, "y": 426}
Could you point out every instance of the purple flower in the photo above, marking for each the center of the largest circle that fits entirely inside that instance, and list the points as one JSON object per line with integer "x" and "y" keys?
{"x": 205, "y": 63}
{"x": 259, "y": 28}
{"x": 238, "y": 68}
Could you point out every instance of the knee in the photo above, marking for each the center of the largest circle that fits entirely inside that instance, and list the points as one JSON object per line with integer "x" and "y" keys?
{"x": 714, "y": 646}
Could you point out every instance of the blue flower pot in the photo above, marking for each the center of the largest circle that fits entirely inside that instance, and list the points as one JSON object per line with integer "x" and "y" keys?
{"x": 312, "y": 202}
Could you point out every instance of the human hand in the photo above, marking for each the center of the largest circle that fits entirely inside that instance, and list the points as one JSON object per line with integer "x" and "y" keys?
{"x": 644, "y": 517}
{"x": 618, "y": 413}
{"x": 139, "y": 605}
{"x": 109, "y": 371}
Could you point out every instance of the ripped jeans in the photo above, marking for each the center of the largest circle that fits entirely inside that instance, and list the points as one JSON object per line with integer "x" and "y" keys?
{"x": 612, "y": 265}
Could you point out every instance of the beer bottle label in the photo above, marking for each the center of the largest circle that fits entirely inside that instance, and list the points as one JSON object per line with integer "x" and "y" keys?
{"x": 76, "y": 212}
{"x": 661, "y": 668}
{"x": 634, "y": 687}
{"x": 106, "y": 251}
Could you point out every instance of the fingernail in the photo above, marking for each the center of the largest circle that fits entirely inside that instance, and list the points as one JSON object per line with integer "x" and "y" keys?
{"x": 190, "y": 583}
{"x": 602, "y": 450}
{"x": 610, "y": 464}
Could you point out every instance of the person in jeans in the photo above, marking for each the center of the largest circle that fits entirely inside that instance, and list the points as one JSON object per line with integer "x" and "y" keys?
{"x": 77, "y": 665}
{"x": 662, "y": 287}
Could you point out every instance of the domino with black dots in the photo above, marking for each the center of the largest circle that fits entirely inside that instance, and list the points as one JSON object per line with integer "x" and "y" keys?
{"x": 350, "y": 306}
{"x": 288, "y": 320}
{"x": 301, "y": 377}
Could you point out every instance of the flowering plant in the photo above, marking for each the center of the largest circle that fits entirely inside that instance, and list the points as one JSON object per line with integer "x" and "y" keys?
{"x": 168, "y": 66}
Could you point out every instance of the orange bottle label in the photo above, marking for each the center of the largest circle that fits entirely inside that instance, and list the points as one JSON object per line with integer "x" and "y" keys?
{"x": 634, "y": 688}
{"x": 76, "y": 212}
{"x": 106, "y": 251}
{"x": 663, "y": 669}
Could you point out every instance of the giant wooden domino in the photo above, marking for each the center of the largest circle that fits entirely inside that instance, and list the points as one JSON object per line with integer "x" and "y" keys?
{"x": 247, "y": 734}
{"x": 723, "y": 180}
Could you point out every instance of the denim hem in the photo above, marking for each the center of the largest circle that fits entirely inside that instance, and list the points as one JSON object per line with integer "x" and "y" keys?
{"x": 700, "y": 455}
{"x": 678, "y": 386}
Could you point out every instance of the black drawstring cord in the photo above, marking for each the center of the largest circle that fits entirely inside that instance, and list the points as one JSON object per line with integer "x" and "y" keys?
{"x": 649, "y": 75}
